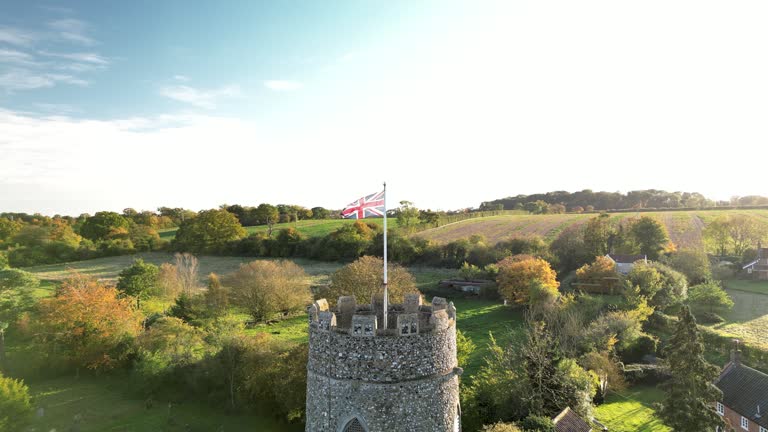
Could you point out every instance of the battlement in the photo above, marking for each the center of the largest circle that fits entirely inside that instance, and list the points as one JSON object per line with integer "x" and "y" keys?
{"x": 366, "y": 320}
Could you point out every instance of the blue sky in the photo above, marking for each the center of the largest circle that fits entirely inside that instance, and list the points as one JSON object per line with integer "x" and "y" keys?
{"x": 107, "y": 105}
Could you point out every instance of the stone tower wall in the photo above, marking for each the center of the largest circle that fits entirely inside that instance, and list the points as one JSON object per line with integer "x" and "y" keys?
{"x": 403, "y": 378}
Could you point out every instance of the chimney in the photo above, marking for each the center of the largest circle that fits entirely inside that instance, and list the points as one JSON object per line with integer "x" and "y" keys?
{"x": 735, "y": 353}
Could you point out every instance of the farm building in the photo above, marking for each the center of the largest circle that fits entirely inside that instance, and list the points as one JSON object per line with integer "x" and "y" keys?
{"x": 624, "y": 263}
{"x": 759, "y": 267}
{"x": 745, "y": 396}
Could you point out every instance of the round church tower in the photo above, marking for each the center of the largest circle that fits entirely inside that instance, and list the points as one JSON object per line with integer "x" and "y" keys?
{"x": 364, "y": 378}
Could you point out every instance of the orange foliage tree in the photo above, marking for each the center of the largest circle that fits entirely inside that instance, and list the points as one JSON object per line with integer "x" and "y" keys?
{"x": 88, "y": 323}
{"x": 600, "y": 272}
{"x": 518, "y": 273}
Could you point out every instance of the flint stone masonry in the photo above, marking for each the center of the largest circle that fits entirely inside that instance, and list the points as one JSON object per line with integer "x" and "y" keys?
{"x": 387, "y": 379}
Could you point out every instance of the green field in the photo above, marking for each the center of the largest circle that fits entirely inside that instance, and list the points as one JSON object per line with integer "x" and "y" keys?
{"x": 102, "y": 404}
{"x": 748, "y": 319}
{"x": 309, "y": 228}
{"x": 684, "y": 227}
{"x": 759, "y": 287}
{"x": 632, "y": 411}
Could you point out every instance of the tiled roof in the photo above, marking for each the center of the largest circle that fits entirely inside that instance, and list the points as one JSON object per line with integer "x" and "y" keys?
{"x": 744, "y": 389}
{"x": 569, "y": 421}
{"x": 626, "y": 259}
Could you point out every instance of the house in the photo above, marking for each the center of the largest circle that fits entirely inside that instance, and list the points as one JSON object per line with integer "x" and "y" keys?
{"x": 759, "y": 267}
{"x": 745, "y": 397}
{"x": 624, "y": 263}
{"x": 569, "y": 421}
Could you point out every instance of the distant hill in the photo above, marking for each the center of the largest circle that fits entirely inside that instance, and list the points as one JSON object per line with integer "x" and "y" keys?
{"x": 685, "y": 227}
{"x": 639, "y": 199}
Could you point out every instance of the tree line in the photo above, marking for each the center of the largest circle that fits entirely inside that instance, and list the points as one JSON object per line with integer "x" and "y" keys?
{"x": 588, "y": 200}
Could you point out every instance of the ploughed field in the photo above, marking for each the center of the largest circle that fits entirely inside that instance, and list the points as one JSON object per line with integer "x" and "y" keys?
{"x": 684, "y": 227}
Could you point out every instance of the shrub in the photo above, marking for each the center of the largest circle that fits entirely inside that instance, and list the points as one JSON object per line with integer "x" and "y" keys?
{"x": 709, "y": 318}
{"x": 536, "y": 423}
{"x": 265, "y": 288}
{"x": 646, "y": 374}
{"x": 635, "y": 351}
{"x": 365, "y": 277}
{"x": 15, "y": 405}
{"x": 516, "y": 274}
{"x": 501, "y": 427}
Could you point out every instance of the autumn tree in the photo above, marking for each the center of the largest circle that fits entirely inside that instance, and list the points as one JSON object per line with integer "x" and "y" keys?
{"x": 216, "y": 296}
{"x": 745, "y": 231}
{"x": 8, "y": 229}
{"x": 690, "y": 392}
{"x": 88, "y": 323}
{"x": 365, "y": 277}
{"x": 601, "y": 271}
{"x": 598, "y": 235}
{"x": 265, "y": 288}
{"x": 208, "y": 232}
{"x": 15, "y": 404}
{"x": 694, "y": 264}
{"x": 650, "y": 236}
{"x": 267, "y": 214}
{"x": 140, "y": 280}
{"x": 103, "y": 225}
{"x": 518, "y": 272}
{"x": 716, "y": 234}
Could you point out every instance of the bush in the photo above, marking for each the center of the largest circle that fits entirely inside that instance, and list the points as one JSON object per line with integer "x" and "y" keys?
{"x": 365, "y": 277}
{"x": 501, "y": 427}
{"x": 651, "y": 374}
{"x": 535, "y": 423}
{"x": 15, "y": 405}
{"x": 266, "y": 288}
{"x": 640, "y": 347}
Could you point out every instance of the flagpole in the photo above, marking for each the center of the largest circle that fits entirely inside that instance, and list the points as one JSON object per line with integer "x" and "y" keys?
{"x": 386, "y": 294}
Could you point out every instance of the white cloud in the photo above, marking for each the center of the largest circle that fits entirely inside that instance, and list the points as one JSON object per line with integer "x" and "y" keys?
{"x": 23, "y": 79}
{"x": 82, "y": 57}
{"x": 72, "y": 30}
{"x": 282, "y": 85}
{"x": 16, "y": 36}
{"x": 182, "y": 78}
{"x": 16, "y": 57}
{"x": 199, "y": 97}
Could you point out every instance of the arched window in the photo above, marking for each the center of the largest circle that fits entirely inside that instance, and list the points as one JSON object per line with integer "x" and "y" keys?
{"x": 354, "y": 425}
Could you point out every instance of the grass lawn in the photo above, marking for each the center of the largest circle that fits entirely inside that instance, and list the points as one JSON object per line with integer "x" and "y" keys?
{"x": 103, "y": 405}
{"x": 631, "y": 411}
{"x": 759, "y": 287}
{"x": 748, "y": 319}
{"x": 309, "y": 228}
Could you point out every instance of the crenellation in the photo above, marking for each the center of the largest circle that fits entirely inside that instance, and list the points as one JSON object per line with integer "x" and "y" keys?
{"x": 402, "y": 378}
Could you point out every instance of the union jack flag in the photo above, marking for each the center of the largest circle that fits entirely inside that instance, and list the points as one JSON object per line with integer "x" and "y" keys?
{"x": 367, "y": 206}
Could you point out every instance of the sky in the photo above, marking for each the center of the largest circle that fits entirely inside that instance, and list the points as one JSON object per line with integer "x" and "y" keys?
{"x": 109, "y": 105}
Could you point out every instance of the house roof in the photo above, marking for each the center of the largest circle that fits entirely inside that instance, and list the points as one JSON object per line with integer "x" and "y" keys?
{"x": 750, "y": 264}
{"x": 626, "y": 259}
{"x": 569, "y": 421}
{"x": 744, "y": 390}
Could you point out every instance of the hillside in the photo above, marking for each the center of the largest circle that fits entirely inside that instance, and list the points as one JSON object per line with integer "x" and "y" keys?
{"x": 685, "y": 227}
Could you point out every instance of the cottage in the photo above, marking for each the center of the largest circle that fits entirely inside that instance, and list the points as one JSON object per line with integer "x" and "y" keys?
{"x": 745, "y": 397}
{"x": 624, "y": 263}
{"x": 569, "y": 421}
{"x": 759, "y": 267}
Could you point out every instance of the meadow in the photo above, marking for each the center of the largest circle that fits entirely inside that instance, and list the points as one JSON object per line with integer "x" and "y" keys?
{"x": 632, "y": 410}
{"x": 309, "y": 228}
{"x": 684, "y": 227}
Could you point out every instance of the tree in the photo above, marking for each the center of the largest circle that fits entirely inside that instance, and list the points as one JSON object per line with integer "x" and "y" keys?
{"x": 429, "y": 218}
{"x": 687, "y": 406}
{"x": 501, "y": 427}
{"x": 570, "y": 249}
{"x": 745, "y": 231}
{"x": 264, "y": 288}
{"x": 8, "y": 229}
{"x": 267, "y": 214}
{"x": 88, "y": 323}
{"x": 598, "y": 235}
{"x": 659, "y": 283}
{"x": 15, "y": 404}
{"x": 717, "y": 236}
{"x": 208, "y": 232}
{"x": 407, "y": 216}
{"x": 365, "y": 277}
{"x": 602, "y": 271}
{"x": 140, "y": 280}
{"x": 15, "y": 298}
{"x": 518, "y": 272}
{"x": 216, "y": 296}
{"x": 650, "y": 235}
{"x": 320, "y": 213}
{"x": 694, "y": 264}
{"x": 464, "y": 348}
{"x": 103, "y": 225}
{"x": 709, "y": 295}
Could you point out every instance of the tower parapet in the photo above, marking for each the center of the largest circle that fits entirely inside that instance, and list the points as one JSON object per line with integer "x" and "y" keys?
{"x": 400, "y": 378}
